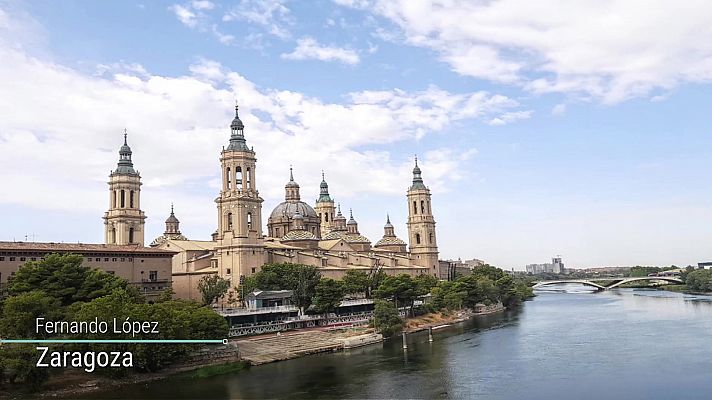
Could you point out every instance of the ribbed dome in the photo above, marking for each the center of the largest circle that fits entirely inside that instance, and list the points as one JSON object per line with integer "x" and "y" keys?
{"x": 289, "y": 208}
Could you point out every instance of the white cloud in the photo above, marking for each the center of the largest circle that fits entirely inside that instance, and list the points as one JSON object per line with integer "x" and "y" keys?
{"x": 202, "y": 5}
{"x": 61, "y": 138}
{"x": 609, "y": 50}
{"x": 272, "y": 15}
{"x": 309, "y": 49}
{"x": 184, "y": 15}
{"x": 558, "y": 109}
{"x": 510, "y": 117}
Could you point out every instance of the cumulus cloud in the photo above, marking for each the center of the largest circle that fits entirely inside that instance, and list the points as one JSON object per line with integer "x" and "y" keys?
{"x": 608, "y": 50}
{"x": 61, "y": 138}
{"x": 195, "y": 15}
{"x": 309, "y": 49}
{"x": 272, "y": 15}
{"x": 510, "y": 117}
{"x": 184, "y": 15}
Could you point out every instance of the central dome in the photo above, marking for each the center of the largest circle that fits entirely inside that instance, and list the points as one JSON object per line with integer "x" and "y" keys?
{"x": 289, "y": 208}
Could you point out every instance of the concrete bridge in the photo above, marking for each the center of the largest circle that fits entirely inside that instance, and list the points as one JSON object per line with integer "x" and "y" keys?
{"x": 610, "y": 283}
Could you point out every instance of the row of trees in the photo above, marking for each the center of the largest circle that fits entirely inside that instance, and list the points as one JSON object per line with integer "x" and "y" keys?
{"x": 59, "y": 288}
{"x": 313, "y": 293}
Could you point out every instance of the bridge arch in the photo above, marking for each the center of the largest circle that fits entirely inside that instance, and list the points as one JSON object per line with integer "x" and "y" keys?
{"x": 560, "y": 282}
{"x": 644, "y": 278}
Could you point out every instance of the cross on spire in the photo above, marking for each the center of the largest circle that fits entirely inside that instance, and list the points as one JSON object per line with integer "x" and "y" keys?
{"x": 125, "y": 134}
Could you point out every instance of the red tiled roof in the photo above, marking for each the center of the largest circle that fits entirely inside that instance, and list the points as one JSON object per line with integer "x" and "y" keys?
{"x": 80, "y": 248}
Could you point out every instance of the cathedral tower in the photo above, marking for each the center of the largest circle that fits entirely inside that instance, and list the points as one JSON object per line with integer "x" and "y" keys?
{"x": 124, "y": 222}
{"x": 325, "y": 207}
{"x": 421, "y": 224}
{"x": 240, "y": 246}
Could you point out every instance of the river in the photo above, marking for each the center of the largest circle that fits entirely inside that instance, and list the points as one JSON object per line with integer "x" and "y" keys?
{"x": 621, "y": 344}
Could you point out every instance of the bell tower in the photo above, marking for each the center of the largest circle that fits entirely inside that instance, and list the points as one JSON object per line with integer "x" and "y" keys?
{"x": 325, "y": 207}
{"x": 421, "y": 224}
{"x": 240, "y": 249}
{"x": 124, "y": 222}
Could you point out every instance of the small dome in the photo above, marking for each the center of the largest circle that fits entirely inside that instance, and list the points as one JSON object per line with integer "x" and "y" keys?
{"x": 172, "y": 219}
{"x": 333, "y": 235}
{"x": 299, "y": 235}
{"x": 391, "y": 240}
{"x": 163, "y": 238}
{"x": 352, "y": 221}
{"x": 289, "y": 209}
{"x": 351, "y": 238}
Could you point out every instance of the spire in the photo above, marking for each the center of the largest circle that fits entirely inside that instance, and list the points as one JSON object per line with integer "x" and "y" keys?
{"x": 237, "y": 137}
{"x": 292, "y": 187}
{"x": 324, "y": 190}
{"x": 125, "y": 165}
{"x": 388, "y": 228}
{"x": 417, "y": 178}
{"x": 351, "y": 217}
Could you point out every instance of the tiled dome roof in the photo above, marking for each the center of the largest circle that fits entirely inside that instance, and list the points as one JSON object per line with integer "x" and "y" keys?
{"x": 333, "y": 235}
{"x": 299, "y": 235}
{"x": 162, "y": 239}
{"x": 389, "y": 241}
{"x": 350, "y": 238}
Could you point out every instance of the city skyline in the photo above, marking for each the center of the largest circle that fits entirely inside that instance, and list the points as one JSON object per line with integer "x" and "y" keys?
{"x": 526, "y": 158}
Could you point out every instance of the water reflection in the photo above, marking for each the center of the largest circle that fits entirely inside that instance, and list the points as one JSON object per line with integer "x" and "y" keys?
{"x": 620, "y": 344}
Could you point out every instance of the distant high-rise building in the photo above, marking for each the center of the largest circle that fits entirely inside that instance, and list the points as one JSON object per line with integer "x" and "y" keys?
{"x": 555, "y": 267}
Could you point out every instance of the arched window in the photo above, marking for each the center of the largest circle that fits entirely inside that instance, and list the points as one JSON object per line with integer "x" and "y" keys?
{"x": 114, "y": 203}
{"x": 415, "y": 207}
{"x": 238, "y": 178}
{"x": 249, "y": 220}
{"x": 131, "y": 199}
{"x": 229, "y": 221}
{"x": 123, "y": 198}
{"x": 249, "y": 178}
{"x": 113, "y": 235}
{"x": 276, "y": 232}
{"x": 131, "y": 235}
{"x": 417, "y": 238}
{"x": 422, "y": 207}
{"x": 227, "y": 178}
{"x": 326, "y": 215}
{"x": 430, "y": 238}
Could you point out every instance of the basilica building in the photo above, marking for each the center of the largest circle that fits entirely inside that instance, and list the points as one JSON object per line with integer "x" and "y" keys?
{"x": 296, "y": 232}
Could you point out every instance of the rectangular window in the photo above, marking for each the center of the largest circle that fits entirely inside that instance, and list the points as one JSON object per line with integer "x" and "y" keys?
{"x": 130, "y": 258}
{"x": 98, "y": 259}
{"x": 113, "y": 259}
{"x": 22, "y": 258}
{"x": 123, "y": 259}
{"x": 33, "y": 258}
{"x": 2, "y": 258}
{"x": 12, "y": 258}
{"x": 152, "y": 275}
{"x": 228, "y": 271}
{"x": 253, "y": 270}
{"x": 106, "y": 259}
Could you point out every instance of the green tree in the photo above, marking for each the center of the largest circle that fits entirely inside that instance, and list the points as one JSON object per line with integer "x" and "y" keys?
{"x": 401, "y": 288}
{"x": 328, "y": 295}
{"x": 212, "y": 287}
{"x": 300, "y": 279}
{"x": 700, "y": 280}
{"x": 248, "y": 285}
{"x": 63, "y": 277}
{"x": 386, "y": 319}
{"x": 424, "y": 284}
{"x": 374, "y": 281}
{"x": 19, "y": 314}
{"x": 355, "y": 282}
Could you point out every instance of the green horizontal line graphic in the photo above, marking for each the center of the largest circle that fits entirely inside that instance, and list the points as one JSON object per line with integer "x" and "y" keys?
{"x": 135, "y": 341}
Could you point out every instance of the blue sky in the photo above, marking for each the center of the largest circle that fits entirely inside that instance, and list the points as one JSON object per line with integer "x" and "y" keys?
{"x": 579, "y": 128}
